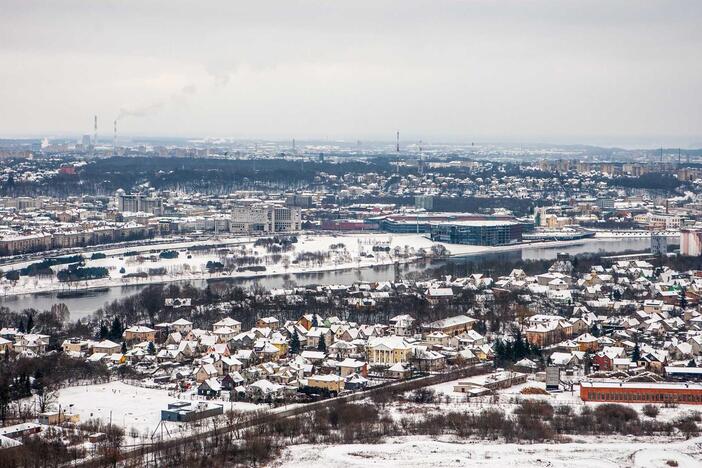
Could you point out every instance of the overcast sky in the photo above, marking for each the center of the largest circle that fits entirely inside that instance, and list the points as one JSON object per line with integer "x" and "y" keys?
{"x": 609, "y": 72}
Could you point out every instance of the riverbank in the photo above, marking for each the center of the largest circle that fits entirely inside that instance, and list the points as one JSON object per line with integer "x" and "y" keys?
{"x": 92, "y": 299}
{"x": 357, "y": 253}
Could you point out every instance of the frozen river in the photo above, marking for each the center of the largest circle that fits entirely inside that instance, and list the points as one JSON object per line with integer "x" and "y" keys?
{"x": 91, "y": 300}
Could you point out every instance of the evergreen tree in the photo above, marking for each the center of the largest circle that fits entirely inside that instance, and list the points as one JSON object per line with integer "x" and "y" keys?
{"x": 315, "y": 324}
{"x": 520, "y": 349}
{"x": 683, "y": 298}
{"x": 124, "y": 348}
{"x": 322, "y": 345}
{"x": 295, "y": 343}
{"x": 21, "y": 328}
{"x": 104, "y": 332}
{"x": 499, "y": 350}
{"x": 692, "y": 363}
{"x": 116, "y": 330}
{"x": 151, "y": 349}
{"x": 30, "y": 323}
{"x": 636, "y": 354}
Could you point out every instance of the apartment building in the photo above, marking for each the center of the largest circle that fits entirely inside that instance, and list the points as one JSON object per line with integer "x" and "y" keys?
{"x": 137, "y": 202}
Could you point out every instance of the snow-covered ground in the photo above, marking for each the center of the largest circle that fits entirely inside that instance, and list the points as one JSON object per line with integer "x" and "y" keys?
{"x": 356, "y": 252}
{"x": 421, "y": 452}
{"x": 129, "y": 406}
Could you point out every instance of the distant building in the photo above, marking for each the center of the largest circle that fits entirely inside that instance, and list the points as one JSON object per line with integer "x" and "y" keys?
{"x": 423, "y": 221}
{"x": 86, "y": 142}
{"x": 11, "y": 245}
{"x": 184, "y": 411}
{"x": 605, "y": 203}
{"x": 452, "y": 325}
{"x": 659, "y": 244}
{"x": 491, "y": 232}
{"x": 137, "y": 202}
{"x": 691, "y": 242}
{"x": 303, "y": 201}
{"x": 641, "y": 392}
{"x": 424, "y": 202}
{"x": 264, "y": 217}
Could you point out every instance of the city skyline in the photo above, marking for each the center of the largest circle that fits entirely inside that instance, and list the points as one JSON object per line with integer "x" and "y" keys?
{"x": 584, "y": 73}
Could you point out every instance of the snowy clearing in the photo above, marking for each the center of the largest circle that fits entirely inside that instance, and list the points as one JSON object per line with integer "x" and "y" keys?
{"x": 421, "y": 452}
{"x": 129, "y": 406}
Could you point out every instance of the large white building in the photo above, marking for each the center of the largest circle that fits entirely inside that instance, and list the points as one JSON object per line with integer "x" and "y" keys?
{"x": 265, "y": 217}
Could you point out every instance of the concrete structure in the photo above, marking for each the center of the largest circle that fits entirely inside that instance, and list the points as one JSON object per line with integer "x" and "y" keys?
{"x": 691, "y": 242}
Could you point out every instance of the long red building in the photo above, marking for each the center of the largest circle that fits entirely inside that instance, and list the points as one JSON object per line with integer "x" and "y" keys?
{"x": 641, "y": 392}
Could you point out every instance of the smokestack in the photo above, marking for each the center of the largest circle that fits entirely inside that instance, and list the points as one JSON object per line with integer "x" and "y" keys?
{"x": 114, "y": 141}
{"x": 95, "y": 135}
{"x": 397, "y": 146}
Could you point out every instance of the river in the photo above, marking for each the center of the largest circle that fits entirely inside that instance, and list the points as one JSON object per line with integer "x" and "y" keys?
{"x": 92, "y": 300}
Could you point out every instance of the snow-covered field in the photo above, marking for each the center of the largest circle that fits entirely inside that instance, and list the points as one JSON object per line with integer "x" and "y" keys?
{"x": 139, "y": 408}
{"x": 421, "y": 452}
{"x": 128, "y": 406}
{"x": 356, "y": 252}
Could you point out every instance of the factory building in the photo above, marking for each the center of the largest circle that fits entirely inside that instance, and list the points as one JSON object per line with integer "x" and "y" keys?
{"x": 641, "y": 392}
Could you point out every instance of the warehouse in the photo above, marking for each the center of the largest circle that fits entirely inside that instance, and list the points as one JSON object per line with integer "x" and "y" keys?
{"x": 184, "y": 411}
{"x": 641, "y": 392}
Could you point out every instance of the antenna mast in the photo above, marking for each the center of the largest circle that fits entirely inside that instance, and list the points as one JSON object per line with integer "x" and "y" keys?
{"x": 95, "y": 135}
